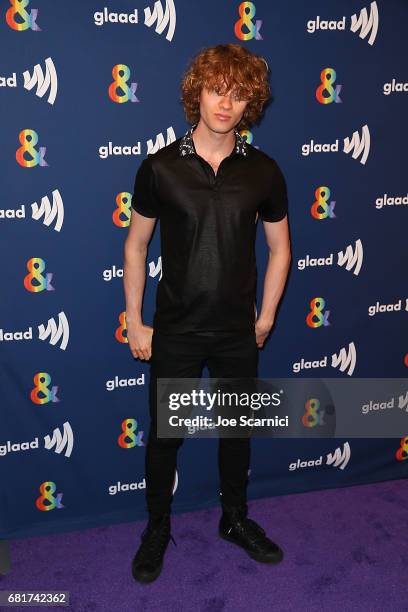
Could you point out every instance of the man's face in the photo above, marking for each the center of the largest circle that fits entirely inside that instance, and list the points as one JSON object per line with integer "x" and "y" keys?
{"x": 221, "y": 113}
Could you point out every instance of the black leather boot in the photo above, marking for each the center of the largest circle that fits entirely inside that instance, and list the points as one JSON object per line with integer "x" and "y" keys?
{"x": 237, "y": 528}
{"x": 148, "y": 561}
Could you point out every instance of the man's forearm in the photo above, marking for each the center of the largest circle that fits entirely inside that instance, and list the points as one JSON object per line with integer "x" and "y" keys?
{"x": 274, "y": 283}
{"x": 134, "y": 279}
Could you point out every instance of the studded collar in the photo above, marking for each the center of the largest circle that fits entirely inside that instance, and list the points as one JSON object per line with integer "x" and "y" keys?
{"x": 187, "y": 147}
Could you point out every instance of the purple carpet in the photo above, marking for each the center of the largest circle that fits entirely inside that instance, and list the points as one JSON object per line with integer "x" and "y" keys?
{"x": 345, "y": 549}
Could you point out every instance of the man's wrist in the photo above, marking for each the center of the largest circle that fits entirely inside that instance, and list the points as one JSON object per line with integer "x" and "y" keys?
{"x": 265, "y": 320}
{"x": 135, "y": 319}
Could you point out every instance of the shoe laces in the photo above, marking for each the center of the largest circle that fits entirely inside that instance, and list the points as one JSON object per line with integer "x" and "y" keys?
{"x": 252, "y": 531}
{"x": 154, "y": 541}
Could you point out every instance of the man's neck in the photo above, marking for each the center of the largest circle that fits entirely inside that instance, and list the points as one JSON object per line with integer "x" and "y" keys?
{"x": 210, "y": 144}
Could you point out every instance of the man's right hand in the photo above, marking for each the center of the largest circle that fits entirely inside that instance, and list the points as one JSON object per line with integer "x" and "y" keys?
{"x": 140, "y": 340}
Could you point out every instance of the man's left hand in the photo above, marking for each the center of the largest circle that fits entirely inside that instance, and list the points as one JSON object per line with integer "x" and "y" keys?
{"x": 262, "y": 329}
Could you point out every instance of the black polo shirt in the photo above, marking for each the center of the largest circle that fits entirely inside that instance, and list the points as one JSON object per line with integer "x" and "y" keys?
{"x": 207, "y": 231}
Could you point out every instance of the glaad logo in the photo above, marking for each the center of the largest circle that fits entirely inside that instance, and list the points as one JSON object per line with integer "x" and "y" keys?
{"x": 120, "y": 383}
{"x": 28, "y": 139}
{"x": 394, "y": 87}
{"x": 61, "y": 441}
{"x": 247, "y": 12}
{"x": 46, "y": 82}
{"x": 16, "y": 447}
{"x": 42, "y": 82}
{"x": 154, "y": 269}
{"x": 164, "y": 19}
{"x": 26, "y": 20}
{"x": 111, "y": 149}
{"x": 356, "y": 145}
{"x": 105, "y": 16}
{"x": 399, "y": 401}
{"x": 58, "y": 334}
{"x": 116, "y": 150}
{"x": 344, "y": 360}
{"x": 373, "y": 310}
{"x": 159, "y": 144}
{"x": 111, "y": 273}
{"x": 325, "y": 93}
{"x": 402, "y": 452}
{"x": 339, "y": 458}
{"x": 120, "y": 487}
{"x": 50, "y": 212}
{"x": 58, "y": 443}
{"x": 387, "y": 200}
{"x": 364, "y": 24}
{"x": 349, "y": 258}
{"x": 45, "y": 212}
{"x": 35, "y": 281}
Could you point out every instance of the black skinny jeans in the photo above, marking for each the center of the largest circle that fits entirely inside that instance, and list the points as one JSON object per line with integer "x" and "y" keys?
{"x": 227, "y": 355}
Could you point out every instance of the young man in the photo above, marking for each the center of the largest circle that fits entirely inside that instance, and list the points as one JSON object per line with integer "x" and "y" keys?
{"x": 207, "y": 188}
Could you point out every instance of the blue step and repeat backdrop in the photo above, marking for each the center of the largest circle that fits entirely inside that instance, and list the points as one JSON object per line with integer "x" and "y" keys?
{"x": 88, "y": 89}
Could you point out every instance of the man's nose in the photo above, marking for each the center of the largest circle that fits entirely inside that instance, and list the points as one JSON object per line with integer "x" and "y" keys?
{"x": 225, "y": 101}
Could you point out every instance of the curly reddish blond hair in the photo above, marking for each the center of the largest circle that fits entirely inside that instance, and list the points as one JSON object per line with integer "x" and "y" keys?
{"x": 221, "y": 68}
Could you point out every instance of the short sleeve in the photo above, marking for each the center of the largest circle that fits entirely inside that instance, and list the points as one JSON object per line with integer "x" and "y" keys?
{"x": 275, "y": 206}
{"x": 144, "y": 199}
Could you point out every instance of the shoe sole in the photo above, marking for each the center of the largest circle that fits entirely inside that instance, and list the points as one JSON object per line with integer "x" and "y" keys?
{"x": 250, "y": 553}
